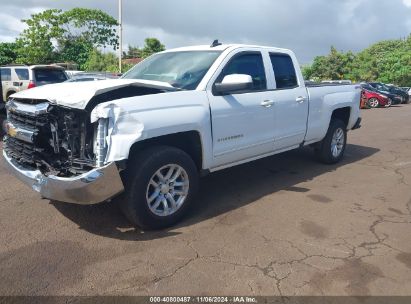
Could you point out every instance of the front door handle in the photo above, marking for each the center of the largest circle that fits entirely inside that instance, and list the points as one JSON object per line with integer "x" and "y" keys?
{"x": 267, "y": 103}
{"x": 300, "y": 99}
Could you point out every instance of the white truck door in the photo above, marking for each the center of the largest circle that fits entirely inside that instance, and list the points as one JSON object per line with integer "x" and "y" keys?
{"x": 243, "y": 122}
{"x": 291, "y": 103}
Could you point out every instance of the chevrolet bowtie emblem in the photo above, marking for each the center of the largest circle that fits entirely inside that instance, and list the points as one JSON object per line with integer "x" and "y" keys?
{"x": 11, "y": 130}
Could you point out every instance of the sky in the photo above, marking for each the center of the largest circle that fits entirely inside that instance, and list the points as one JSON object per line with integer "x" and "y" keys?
{"x": 308, "y": 27}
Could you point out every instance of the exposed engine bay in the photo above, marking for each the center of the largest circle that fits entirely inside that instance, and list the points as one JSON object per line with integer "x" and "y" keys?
{"x": 58, "y": 140}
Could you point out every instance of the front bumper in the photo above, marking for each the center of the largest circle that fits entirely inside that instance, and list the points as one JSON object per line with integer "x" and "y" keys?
{"x": 93, "y": 187}
{"x": 397, "y": 100}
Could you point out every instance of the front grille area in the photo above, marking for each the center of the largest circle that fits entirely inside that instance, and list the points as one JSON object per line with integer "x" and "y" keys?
{"x": 33, "y": 122}
{"x": 24, "y": 153}
{"x": 52, "y": 139}
{"x": 30, "y": 101}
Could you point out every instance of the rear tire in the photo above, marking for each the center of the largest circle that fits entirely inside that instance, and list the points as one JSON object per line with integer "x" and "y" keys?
{"x": 160, "y": 184}
{"x": 331, "y": 149}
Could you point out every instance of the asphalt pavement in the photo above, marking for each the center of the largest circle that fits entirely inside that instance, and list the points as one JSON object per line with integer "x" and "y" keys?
{"x": 285, "y": 225}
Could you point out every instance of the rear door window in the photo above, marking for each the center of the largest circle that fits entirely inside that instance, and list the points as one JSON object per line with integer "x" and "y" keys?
{"x": 5, "y": 74}
{"x": 22, "y": 74}
{"x": 48, "y": 76}
{"x": 284, "y": 71}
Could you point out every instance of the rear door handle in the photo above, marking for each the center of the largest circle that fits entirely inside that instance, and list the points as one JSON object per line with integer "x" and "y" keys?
{"x": 267, "y": 103}
{"x": 300, "y": 99}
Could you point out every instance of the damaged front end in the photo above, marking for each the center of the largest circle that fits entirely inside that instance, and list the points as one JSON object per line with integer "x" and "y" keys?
{"x": 64, "y": 141}
{"x": 59, "y": 152}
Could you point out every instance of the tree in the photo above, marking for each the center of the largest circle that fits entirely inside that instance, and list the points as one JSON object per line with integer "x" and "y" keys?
{"x": 151, "y": 46}
{"x": 99, "y": 62}
{"x": 335, "y": 66}
{"x": 54, "y": 31}
{"x": 75, "y": 50}
{"x": 386, "y": 61}
{"x": 133, "y": 52}
{"x": 8, "y": 52}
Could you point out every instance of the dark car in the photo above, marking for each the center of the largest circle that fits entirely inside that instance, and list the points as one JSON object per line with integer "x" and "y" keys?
{"x": 397, "y": 90}
{"x": 399, "y": 96}
{"x": 394, "y": 98}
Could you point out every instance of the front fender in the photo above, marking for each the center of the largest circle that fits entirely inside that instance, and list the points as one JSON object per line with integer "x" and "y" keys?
{"x": 136, "y": 119}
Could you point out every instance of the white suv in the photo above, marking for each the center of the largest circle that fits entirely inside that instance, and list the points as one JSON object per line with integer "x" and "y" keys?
{"x": 15, "y": 78}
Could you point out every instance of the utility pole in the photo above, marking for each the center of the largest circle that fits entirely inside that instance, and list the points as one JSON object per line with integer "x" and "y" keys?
{"x": 120, "y": 32}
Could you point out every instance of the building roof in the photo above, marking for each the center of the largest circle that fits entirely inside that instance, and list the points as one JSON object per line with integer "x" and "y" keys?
{"x": 132, "y": 60}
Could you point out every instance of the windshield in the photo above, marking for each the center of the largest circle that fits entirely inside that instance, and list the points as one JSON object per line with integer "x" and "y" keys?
{"x": 183, "y": 70}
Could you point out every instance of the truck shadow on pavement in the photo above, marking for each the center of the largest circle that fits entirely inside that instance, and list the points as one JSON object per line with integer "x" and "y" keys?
{"x": 219, "y": 193}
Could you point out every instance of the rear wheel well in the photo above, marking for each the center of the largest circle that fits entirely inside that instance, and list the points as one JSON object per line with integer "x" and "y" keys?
{"x": 342, "y": 114}
{"x": 189, "y": 142}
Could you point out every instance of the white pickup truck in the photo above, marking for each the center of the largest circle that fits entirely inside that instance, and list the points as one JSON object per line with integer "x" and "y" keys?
{"x": 173, "y": 117}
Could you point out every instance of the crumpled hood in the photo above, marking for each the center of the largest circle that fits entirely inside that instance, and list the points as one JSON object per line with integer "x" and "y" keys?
{"x": 78, "y": 94}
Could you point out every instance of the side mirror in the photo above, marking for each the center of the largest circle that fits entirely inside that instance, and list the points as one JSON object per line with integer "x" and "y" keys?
{"x": 234, "y": 83}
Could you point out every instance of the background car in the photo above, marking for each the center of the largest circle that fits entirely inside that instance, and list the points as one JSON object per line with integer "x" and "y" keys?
{"x": 337, "y": 81}
{"x": 15, "y": 78}
{"x": 397, "y": 90}
{"x": 399, "y": 96}
{"x": 375, "y": 99}
{"x": 86, "y": 76}
{"x": 395, "y": 99}
{"x": 408, "y": 90}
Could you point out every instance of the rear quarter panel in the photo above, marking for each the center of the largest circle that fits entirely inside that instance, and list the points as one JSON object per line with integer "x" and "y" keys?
{"x": 323, "y": 101}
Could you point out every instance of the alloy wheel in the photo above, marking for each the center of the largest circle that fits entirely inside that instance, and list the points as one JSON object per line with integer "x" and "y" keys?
{"x": 373, "y": 102}
{"x": 167, "y": 190}
{"x": 337, "y": 142}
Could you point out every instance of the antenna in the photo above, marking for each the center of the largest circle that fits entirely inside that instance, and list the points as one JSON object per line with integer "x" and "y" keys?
{"x": 215, "y": 43}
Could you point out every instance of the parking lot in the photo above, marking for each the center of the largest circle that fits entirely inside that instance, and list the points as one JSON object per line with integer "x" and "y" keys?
{"x": 285, "y": 225}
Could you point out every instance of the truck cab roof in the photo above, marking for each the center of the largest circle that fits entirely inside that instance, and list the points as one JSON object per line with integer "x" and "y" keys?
{"x": 224, "y": 47}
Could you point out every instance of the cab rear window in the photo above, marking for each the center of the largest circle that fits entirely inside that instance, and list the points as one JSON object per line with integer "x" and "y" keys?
{"x": 47, "y": 76}
{"x": 285, "y": 76}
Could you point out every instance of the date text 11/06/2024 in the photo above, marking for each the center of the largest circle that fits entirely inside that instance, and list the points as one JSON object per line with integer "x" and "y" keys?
{"x": 237, "y": 299}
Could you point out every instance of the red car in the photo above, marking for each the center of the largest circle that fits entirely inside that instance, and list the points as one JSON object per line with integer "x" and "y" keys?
{"x": 375, "y": 100}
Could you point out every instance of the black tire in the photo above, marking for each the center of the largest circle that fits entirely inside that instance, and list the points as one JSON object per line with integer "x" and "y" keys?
{"x": 141, "y": 169}
{"x": 9, "y": 94}
{"x": 323, "y": 150}
{"x": 2, "y": 119}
